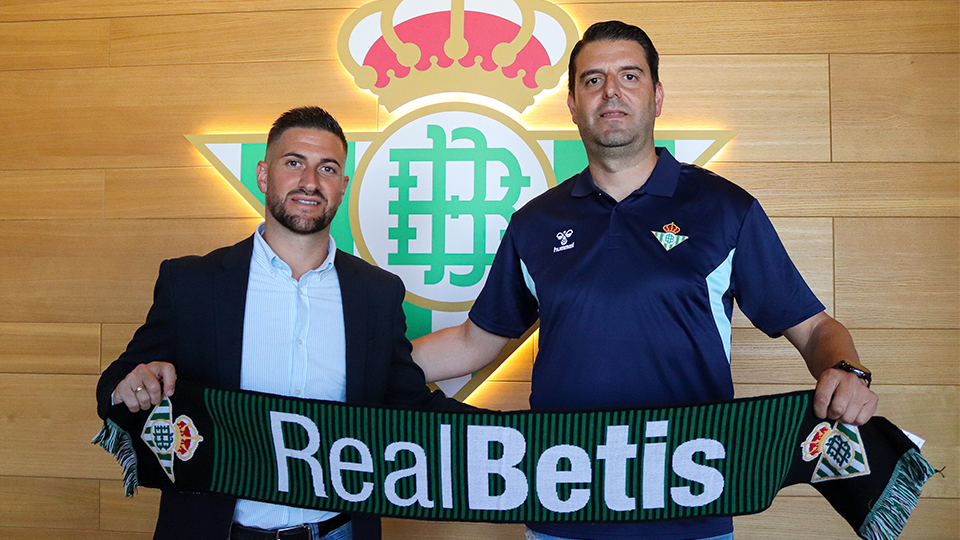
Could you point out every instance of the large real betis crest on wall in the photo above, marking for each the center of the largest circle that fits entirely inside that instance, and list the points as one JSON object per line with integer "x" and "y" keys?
{"x": 431, "y": 195}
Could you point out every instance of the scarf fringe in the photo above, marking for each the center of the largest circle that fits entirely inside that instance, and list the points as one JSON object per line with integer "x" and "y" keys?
{"x": 889, "y": 515}
{"x": 116, "y": 440}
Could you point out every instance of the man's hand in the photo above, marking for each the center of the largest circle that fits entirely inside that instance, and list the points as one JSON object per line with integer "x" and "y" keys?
{"x": 146, "y": 386}
{"x": 845, "y": 397}
{"x": 840, "y": 395}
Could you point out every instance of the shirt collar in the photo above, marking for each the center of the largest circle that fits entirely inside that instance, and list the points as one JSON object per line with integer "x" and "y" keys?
{"x": 662, "y": 181}
{"x": 264, "y": 255}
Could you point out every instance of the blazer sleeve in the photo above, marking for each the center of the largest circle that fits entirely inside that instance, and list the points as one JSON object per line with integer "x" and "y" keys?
{"x": 406, "y": 386}
{"x": 153, "y": 341}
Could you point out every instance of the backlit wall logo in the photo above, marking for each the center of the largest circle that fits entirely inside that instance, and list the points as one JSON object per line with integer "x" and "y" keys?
{"x": 431, "y": 195}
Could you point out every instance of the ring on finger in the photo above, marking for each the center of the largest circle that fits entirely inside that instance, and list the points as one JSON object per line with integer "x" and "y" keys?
{"x": 139, "y": 388}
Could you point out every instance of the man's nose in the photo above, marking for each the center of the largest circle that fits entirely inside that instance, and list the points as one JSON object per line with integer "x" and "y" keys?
{"x": 611, "y": 87}
{"x": 310, "y": 178}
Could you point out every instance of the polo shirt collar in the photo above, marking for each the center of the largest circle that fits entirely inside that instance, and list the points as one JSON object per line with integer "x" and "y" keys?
{"x": 662, "y": 181}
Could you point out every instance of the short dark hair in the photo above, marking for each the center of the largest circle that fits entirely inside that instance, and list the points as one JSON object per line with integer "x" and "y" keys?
{"x": 306, "y": 117}
{"x": 615, "y": 31}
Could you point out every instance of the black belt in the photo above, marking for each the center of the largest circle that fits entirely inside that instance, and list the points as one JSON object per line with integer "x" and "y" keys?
{"x": 300, "y": 532}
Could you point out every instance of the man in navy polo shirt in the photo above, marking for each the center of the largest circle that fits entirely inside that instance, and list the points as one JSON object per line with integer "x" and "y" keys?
{"x": 632, "y": 267}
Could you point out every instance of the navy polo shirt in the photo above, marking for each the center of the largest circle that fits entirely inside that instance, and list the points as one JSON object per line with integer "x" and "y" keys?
{"x": 635, "y": 299}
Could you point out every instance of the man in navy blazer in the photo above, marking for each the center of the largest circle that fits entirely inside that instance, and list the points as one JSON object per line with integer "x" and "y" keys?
{"x": 268, "y": 304}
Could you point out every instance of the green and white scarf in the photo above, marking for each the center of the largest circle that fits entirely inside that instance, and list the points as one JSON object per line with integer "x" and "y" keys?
{"x": 606, "y": 466}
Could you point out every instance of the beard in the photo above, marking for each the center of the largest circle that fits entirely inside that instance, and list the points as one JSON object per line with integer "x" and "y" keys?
{"x": 614, "y": 140}
{"x": 301, "y": 225}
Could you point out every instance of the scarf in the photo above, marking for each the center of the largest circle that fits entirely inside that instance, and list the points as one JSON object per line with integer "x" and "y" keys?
{"x": 718, "y": 459}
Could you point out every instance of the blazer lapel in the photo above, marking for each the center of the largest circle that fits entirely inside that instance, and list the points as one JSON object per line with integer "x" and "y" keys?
{"x": 355, "y": 324}
{"x": 230, "y": 295}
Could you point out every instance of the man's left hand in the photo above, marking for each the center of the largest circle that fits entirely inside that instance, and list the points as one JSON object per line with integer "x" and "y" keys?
{"x": 845, "y": 397}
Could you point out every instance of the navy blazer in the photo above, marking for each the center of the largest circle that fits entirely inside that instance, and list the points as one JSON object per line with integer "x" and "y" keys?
{"x": 196, "y": 324}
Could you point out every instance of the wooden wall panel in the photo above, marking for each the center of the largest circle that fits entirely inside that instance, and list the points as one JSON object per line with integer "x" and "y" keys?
{"x": 898, "y": 107}
{"x": 898, "y": 273}
{"x": 811, "y": 518}
{"x": 136, "y": 117}
{"x": 913, "y": 357}
{"x": 50, "y": 348}
{"x": 239, "y": 37}
{"x": 778, "y": 104}
{"x": 54, "y": 44}
{"x": 783, "y": 27}
{"x": 114, "y": 339}
{"x": 48, "y": 422}
{"x": 37, "y": 10}
{"x": 224, "y": 38}
{"x": 121, "y": 513}
{"x": 51, "y": 194}
{"x": 181, "y": 192}
{"x": 97, "y": 271}
{"x": 32, "y": 533}
{"x": 53, "y": 502}
{"x": 849, "y": 189}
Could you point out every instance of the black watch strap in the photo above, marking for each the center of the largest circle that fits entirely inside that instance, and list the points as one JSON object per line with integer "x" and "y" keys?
{"x": 856, "y": 369}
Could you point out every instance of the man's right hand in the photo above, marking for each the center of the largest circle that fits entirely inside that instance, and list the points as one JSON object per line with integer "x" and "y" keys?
{"x": 146, "y": 386}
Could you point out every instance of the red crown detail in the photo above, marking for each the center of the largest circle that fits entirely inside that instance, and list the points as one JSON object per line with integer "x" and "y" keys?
{"x": 671, "y": 228}
{"x": 509, "y": 50}
{"x": 187, "y": 438}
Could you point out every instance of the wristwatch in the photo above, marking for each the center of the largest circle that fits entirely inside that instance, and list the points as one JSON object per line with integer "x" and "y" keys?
{"x": 856, "y": 369}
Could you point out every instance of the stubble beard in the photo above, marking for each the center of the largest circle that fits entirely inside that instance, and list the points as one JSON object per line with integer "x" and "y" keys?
{"x": 298, "y": 224}
{"x": 620, "y": 142}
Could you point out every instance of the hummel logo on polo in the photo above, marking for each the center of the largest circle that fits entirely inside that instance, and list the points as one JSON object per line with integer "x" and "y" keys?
{"x": 564, "y": 237}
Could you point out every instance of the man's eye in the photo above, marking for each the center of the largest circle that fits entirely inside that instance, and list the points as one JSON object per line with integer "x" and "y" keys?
{"x": 630, "y": 76}
{"x": 293, "y": 163}
{"x": 593, "y": 80}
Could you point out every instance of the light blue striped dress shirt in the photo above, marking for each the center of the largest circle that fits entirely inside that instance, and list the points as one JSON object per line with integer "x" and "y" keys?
{"x": 293, "y": 345}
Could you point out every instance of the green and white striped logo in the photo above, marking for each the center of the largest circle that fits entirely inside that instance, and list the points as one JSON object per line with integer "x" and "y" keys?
{"x": 160, "y": 436}
{"x": 842, "y": 455}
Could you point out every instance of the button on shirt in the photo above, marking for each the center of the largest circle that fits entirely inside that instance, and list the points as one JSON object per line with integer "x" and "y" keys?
{"x": 293, "y": 345}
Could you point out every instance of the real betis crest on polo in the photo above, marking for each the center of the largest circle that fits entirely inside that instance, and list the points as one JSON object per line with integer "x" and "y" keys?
{"x": 670, "y": 237}
{"x": 168, "y": 438}
{"x": 839, "y": 451}
{"x": 432, "y": 192}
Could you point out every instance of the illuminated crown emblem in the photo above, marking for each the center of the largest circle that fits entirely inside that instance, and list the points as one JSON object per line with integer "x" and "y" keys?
{"x": 402, "y": 50}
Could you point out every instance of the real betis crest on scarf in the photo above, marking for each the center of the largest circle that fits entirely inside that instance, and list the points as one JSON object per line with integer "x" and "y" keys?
{"x": 607, "y": 466}
{"x": 837, "y": 450}
{"x": 168, "y": 438}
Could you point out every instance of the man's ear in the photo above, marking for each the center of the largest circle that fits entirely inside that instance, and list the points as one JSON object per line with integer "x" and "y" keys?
{"x": 658, "y": 97}
{"x": 571, "y": 105}
{"x": 262, "y": 176}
